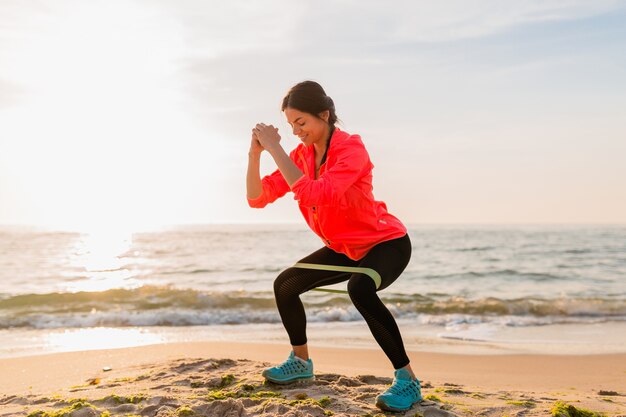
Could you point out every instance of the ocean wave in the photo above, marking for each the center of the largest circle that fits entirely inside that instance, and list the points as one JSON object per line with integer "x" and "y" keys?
{"x": 576, "y": 307}
{"x": 186, "y": 317}
{"x": 476, "y": 249}
{"x": 499, "y": 274}
{"x": 192, "y": 271}
{"x": 577, "y": 251}
{"x": 137, "y": 299}
{"x": 166, "y": 306}
{"x": 160, "y": 317}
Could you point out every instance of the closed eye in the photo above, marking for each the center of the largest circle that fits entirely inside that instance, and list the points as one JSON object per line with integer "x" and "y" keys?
{"x": 298, "y": 122}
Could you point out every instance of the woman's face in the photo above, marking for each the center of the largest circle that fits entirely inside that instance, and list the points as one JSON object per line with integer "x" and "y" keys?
{"x": 307, "y": 127}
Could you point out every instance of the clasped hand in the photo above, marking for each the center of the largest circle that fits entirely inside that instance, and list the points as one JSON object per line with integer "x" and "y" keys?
{"x": 266, "y": 136}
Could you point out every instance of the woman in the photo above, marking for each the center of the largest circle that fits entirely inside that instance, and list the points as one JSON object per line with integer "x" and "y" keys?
{"x": 330, "y": 174}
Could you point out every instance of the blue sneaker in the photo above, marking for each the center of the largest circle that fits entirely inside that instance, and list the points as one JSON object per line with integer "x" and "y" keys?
{"x": 292, "y": 370}
{"x": 403, "y": 393}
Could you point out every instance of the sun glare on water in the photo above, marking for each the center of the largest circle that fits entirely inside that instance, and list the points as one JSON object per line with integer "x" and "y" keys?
{"x": 99, "y": 338}
{"x": 99, "y": 257}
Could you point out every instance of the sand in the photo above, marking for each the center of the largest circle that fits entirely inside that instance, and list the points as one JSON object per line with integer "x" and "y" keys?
{"x": 223, "y": 379}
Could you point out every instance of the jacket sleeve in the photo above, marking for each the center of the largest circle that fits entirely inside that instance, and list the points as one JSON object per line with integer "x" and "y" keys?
{"x": 352, "y": 161}
{"x": 274, "y": 187}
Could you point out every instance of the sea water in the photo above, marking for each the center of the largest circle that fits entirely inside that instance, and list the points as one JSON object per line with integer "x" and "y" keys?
{"x": 467, "y": 289}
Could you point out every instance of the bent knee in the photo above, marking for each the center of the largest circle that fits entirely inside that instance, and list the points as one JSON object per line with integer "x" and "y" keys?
{"x": 361, "y": 285}
{"x": 284, "y": 284}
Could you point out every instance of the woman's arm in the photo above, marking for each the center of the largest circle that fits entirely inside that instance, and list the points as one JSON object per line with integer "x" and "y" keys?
{"x": 350, "y": 163}
{"x": 262, "y": 191}
{"x": 254, "y": 187}
{"x": 287, "y": 167}
{"x": 269, "y": 138}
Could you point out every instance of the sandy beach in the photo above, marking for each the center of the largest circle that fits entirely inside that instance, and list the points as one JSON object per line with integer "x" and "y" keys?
{"x": 223, "y": 379}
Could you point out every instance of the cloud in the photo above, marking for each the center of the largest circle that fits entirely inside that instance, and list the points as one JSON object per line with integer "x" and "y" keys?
{"x": 245, "y": 25}
{"x": 235, "y": 44}
{"x": 437, "y": 21}
{"x": 223, "y": 28}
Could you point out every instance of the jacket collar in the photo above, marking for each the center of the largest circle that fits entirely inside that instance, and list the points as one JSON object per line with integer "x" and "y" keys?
{"x": 337, "y": 137}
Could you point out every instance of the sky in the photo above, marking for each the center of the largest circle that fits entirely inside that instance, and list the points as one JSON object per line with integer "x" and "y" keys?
{"x": 137, "y": 113}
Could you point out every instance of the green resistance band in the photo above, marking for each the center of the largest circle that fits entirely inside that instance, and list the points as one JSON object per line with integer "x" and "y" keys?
{"x": 375, "y": 276}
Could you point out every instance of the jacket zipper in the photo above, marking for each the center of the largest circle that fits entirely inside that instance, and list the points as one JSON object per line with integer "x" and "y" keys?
{"x": 317, "y": 223}
{"x": 313, "y": 208}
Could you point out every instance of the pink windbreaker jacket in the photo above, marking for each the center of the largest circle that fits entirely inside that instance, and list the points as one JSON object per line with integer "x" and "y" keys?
{"x": 339, "y": 205}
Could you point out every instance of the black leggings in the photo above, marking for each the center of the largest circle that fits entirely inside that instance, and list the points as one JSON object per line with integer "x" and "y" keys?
{"x": 387, "y": 258}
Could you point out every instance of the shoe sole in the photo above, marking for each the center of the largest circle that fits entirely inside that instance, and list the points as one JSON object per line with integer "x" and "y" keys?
{"x": 290, "y": 381}
{"x": 386, "y": 407}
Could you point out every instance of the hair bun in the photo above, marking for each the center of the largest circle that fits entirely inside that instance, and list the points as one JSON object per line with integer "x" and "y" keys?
{"x": 310, "y": 97}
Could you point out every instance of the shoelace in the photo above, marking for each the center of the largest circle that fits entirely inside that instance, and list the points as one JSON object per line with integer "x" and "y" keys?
{"x": 403, "y": 388}
{"x": 291, "y": 366}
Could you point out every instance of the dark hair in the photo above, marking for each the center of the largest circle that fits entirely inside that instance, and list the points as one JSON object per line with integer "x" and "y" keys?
{"x": 310, "y": 97}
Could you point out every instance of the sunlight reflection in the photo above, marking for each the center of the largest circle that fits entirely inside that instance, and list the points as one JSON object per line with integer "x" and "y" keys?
{"x": 99, "y": 256}
{"x": 99, "y": 338}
